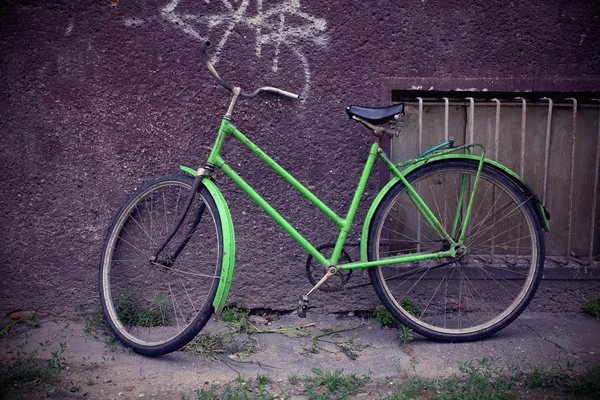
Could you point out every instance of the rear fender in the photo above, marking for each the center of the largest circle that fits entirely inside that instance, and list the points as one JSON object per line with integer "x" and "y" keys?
{"x": 541, "y": 211}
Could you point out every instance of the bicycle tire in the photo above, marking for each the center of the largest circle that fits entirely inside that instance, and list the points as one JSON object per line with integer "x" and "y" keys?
{"x": 156, "y": 307}
{"x": 476, "y": 295}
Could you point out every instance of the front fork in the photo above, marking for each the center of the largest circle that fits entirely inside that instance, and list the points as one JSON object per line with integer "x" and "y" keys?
{"x": 201, "y": 173}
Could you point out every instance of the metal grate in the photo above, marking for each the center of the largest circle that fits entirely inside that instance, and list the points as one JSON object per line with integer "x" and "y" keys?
{"x": 552, "y": 141}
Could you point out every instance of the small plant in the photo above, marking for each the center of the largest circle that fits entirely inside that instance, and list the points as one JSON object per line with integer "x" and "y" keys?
{"x": 405, "y": 334}
{"x": 334, "y": 385}
{"x": 130, "y": 313}
{"x": 410, "y": 307}
{"x": 27, "y": 368}
{"x": 593, "y": 308}
{"x": 206, "y": 344}
{"x": 263, "y": 380}
{"x": 233, "y": 315}
{"x": 385, "y": 317}
{"x": 237, "y": 390}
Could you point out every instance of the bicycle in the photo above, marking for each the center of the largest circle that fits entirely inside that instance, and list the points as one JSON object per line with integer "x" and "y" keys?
{"x": 453, "y": 243}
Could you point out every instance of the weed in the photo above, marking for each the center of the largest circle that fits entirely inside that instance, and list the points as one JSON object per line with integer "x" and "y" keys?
{"x": 237, "y": 390}
{"x": 219, "y": 345}
{"x": 333, "y": 385}
{"x": 6, "y": 330}
{"x": 593, "y": 308}
{"x": 96, "y": 322}
{"x": 32, "y": 322}
{"x": 130, "y": 313}
{"x": 565, "y": 379}
{"x": 27, "y": 368}
{"x": 385, "y": 317}
{"x": 263, "y": 380}
{"x": 206, "y": 344}
{"x": 586, "y": 384}
{"x": 405, "y": 334}
{"x": 233, "y": 315}
{"x": 293, "y": 379}
{"x": 347, "y": 346}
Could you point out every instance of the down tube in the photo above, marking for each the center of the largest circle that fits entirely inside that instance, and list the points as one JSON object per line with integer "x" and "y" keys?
{"x": 273, "y": 213}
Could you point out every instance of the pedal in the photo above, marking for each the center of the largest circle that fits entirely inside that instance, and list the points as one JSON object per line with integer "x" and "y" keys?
{"x": 302, "y": 306}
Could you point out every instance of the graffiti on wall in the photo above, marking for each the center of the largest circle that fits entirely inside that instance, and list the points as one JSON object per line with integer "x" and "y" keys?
{"x": 282, "y": 25}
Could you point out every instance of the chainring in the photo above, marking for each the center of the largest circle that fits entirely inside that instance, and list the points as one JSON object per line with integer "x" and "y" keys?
{"x": 315, "y": 270}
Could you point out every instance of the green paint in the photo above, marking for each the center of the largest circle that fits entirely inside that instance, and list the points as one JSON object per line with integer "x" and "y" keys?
{"x": 435, "y": 154}
{"x": 189, "y": 170}
{"x": 228, "y": 241}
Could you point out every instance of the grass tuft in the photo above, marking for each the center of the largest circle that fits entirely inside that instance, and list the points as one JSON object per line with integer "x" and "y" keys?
{"x": 593, "y": 308}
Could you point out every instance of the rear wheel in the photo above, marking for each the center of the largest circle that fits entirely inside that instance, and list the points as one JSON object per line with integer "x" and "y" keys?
{"x": 474, "y": 295}
{"x": 157, "y": 306}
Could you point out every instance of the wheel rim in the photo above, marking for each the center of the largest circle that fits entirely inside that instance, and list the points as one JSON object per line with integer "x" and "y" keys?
{"x": 153, "y": 303}
{"x": 481, "y": 289}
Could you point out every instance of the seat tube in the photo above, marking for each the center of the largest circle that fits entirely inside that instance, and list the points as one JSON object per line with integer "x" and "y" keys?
{"x": 362, "y": 184}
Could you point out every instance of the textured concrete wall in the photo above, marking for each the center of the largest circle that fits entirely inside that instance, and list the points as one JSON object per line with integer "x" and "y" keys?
{"x": 97, "y": 96}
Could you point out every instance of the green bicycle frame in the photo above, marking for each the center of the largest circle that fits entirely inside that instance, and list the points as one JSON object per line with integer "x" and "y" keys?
{"x": 345, "y": 224}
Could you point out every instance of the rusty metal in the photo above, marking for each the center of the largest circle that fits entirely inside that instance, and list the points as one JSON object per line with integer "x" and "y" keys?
{"x": 523, "y": 127}
{"x": 571, "y": 184}
{"x": 547, "y": 150}
{"x": 420, "y": 151}
{"x": 496, "y": 152}
{"x": 595, "y": 194}
{"x": 446, "y": 117}
{"x": 471, "y": 119}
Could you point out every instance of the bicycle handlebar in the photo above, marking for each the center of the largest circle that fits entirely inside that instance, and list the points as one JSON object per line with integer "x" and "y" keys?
{"x": 227, "y": 86}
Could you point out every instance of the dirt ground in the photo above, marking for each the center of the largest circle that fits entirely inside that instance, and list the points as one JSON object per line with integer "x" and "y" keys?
{"x": 92, "y": 369}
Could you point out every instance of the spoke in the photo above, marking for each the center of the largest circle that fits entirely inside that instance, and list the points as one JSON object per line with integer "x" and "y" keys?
{"x": 189, "y": 298}
{"x": 142, "y": 229}
{"x": 512, "y": 228}
{"x": 503, "y": 244}
{"x": 510, "y": 214}
{"x": 184, "y": 272}
{"x": 480, "y": 225}
{"x": 174, "y": 308}
{"x": 432, "y": 296}
{"x": 419, "y": 219}
{"x": 494, "y": 276}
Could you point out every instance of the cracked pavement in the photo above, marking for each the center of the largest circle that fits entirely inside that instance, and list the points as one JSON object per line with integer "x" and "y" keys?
{"x": 535, "y": 339}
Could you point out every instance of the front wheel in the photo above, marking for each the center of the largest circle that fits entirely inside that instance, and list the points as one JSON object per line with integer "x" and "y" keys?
{"x": 156, "y": 306}
{"x": 474, "y": 295}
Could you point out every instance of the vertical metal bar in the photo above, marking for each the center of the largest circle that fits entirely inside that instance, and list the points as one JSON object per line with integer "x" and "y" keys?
{"x": 471, "y": 118}
{"x": 496, "y": 152}
{"x": 523, "y": 125}
{"x": 446, "y": 217}
{"x": 547, "y": 150}
{"x": 521, "y": 163}
{"x": 420, "y": 144}
{"x": 571, "y": 184}
{"x": 446, "y": 114}
{"x": 497, "y": 134}
{"x": 420, "y": 138}
{"x": 595, "y": 193}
